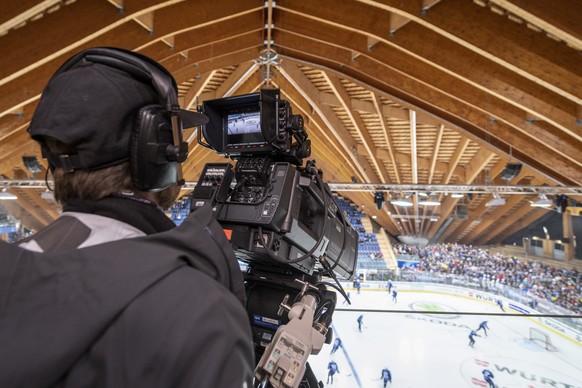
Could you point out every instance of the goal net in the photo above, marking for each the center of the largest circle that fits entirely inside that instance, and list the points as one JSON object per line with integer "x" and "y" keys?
{"x": 539, "y": 337}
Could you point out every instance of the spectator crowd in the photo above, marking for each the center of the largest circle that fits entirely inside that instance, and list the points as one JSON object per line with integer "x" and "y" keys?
{"x": 561, "y": 286}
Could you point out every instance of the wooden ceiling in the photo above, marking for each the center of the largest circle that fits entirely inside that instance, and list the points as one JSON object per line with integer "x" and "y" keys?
{"x": 392, "y": 92}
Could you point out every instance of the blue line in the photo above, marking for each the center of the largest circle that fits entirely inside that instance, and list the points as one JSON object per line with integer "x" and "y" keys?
{"x": 349, "y": 360}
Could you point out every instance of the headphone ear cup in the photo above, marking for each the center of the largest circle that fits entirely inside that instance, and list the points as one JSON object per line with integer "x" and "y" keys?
{"x": 152, "y": 133}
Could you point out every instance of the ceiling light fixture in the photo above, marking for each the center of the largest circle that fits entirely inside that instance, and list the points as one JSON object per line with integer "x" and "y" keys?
{"x": 496, "y": 201}
{"x": 5, "y": 195}
{"x": 543, "y": 201}
{"x": 402, "y": 201}
{"x": 429, "y": 201}
{"x": 457, "y": 195}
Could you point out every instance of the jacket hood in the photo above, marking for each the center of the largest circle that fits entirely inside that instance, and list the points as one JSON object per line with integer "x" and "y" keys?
{"x": 54, "y": 306}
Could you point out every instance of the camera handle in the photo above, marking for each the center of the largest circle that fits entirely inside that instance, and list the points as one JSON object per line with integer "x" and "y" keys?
{"x": 284, "y": 361}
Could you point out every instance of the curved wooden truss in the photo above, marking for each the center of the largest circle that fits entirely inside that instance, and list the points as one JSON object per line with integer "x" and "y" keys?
{"x": 422, "y": 92}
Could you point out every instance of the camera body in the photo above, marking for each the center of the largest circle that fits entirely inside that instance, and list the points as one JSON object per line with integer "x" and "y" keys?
{"x": 283, "y": 221}
{"x": 273, "y": 209}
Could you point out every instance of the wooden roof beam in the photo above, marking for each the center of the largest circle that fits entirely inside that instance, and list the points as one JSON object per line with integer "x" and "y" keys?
{"x": 493, "y": 217}
{"x": 204, "y": 34}
{"x": 182, "y": 70}
{"x": 454, "y": 161}
{"x": 525, "y": 52}
{"x": 192, "y": 96}
{"x": 379, "y": 112}
{"x": 437, "y": 146}
{"x": 557, "y": 18}
{"x": 528, "y": 95}
{"x": 293, "y": 74}
{"x": 318, "y": 132}
{"x": 239, "y": 76}
{"x": 477, "y": 164}
{"x": 358, "y": 123}
{"x": 470, "y": 117}
{"x": 125, "y": 34}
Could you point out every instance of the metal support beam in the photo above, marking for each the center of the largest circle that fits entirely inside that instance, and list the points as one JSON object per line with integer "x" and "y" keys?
{"x": 372, "y": 187}
{"x": 475, "y": 189}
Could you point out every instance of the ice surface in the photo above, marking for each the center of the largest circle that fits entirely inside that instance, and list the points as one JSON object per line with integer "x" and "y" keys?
{"x": 430, "y": 350}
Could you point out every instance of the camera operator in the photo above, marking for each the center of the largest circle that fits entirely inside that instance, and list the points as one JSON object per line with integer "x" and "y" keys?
{"x": 111, "y": 294}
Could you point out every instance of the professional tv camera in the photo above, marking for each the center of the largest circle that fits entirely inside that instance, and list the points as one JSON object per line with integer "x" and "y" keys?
{"x": 282, "y": 222}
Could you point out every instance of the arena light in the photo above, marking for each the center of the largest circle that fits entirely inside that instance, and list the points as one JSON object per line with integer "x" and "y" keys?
{"x": 5, "y": 195}
{"x": 543, "y": 201}
{"x": 429, "y": 201}
{"x": 401, "y": 201}
{"x": 496, "y": 201}
{"x": 457, "y": 195}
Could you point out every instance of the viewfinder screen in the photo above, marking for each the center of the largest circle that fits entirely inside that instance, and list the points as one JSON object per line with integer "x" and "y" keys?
{"x": 244, "y": 129}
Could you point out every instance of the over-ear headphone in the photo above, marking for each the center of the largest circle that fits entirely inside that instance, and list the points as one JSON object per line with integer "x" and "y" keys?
{"x": 156, "y": 148}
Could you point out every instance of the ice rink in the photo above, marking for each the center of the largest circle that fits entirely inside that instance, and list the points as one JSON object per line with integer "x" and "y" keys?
{"x": 432, "y": 350}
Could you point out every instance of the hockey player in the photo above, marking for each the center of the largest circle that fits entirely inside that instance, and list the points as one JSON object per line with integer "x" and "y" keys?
{"x": 357, "y": 284}
{"x": 332, "y": 370}
{"x": 360, "y": 323}
{"x": 488, "y": 376}
{"x": 337, "y": 343}
{"x": 386, "y": 376}
{"x": 472, "y": 336}
{"x": 394, "y": 295}
{"x": 483, "y": 325}
{"x": 389, "y": 286}
{"x": 500, "y": 304}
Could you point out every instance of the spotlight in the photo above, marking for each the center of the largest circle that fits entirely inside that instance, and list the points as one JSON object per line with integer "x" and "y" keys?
{"x": 510, "y": 171}
{"x": 379, "y": 199}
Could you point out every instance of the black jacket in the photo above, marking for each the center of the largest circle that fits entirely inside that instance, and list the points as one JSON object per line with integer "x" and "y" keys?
{"x": 154, "y": 311}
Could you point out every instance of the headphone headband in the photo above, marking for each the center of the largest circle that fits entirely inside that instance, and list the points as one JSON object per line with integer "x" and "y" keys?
{"x": 138, "y": 65}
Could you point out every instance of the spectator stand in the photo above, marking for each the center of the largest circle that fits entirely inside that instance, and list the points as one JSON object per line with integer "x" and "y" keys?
{"x": 179, "y": 210}
{"x": 549, "y": 288}
{"x": 375, "y": 254}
